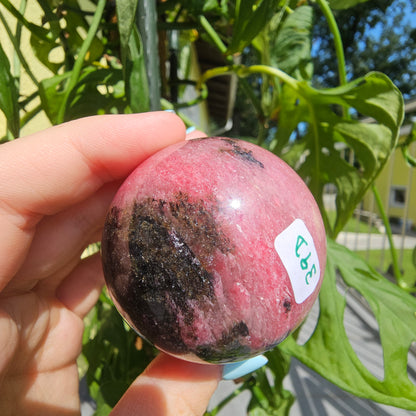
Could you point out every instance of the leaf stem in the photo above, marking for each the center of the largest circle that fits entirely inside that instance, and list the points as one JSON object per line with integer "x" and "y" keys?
{"x": 81, "y": 58}
{"x": 339, "y": 50}
{"x": 18, "y": 38}
{"x": 16, "y": 47}
{"x": 395, "y": 263}
{"x": 167, "y": 105}
{"x": 317, "y": 170}
{"x": 212, "y": 33}
{"x": 226, "y": 400}
{"x": 30, "y": 114}
{"x": 243, "y": 71}
{"x": 405, "y": 147}
{"x": 276, "y": 72}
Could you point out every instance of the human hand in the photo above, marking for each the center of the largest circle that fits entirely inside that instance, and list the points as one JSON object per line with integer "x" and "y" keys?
{"x": 55, "y": 188}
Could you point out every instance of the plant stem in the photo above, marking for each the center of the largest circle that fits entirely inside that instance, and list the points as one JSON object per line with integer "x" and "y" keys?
{"x": 212, "y": 34}
{"x": 80, "y": 60}
{"x": 18, "y": 37}
{"x": 316, "y": 171}
{"x": 167, "y": 105}
{"x": 147, "y": 25}
{"x": 262, "y": 134}
{"x": 18, "y": 52}
{"x": 395, "y": 263}
{"x": 339, "y": 50}
{"x": 276, "y": 72}
{"x": 227, "y": 400}
{"x": 243, "y": 71}
{"x": 405, "y": 147}
{"x": 216, "y": 72}
{"x": 30, "y": 114}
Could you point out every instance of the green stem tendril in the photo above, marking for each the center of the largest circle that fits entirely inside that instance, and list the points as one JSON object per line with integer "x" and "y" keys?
{"x": 395, "y": 262}
{"x": 76, "y": 72}
{"x": 339, "y": 49}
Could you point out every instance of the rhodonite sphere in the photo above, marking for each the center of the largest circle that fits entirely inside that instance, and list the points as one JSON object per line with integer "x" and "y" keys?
{"x": 214, "y": 250}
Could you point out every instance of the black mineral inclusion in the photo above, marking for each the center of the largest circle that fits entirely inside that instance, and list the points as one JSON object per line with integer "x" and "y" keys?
{"x": 164, "y": 273}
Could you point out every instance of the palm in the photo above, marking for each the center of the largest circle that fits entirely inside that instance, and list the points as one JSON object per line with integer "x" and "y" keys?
{"x": 47, "y": 300}
{"x": 42, "y": 378}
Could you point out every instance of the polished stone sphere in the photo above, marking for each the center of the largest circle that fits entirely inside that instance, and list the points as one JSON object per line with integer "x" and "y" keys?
{"x": 214, "y": 250}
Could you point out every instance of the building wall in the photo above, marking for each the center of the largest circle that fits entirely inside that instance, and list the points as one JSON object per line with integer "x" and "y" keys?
{"x": 33, "y": 14}
{"x": 395, "y": 183}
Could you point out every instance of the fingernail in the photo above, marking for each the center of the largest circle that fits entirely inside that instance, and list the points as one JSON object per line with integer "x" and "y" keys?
{"x": 190, "y": 129}
{"x": 236, "y": 370}
{"x": 169, "y": 110}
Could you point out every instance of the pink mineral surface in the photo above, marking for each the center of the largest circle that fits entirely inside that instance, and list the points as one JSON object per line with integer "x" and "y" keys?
{"x": 214, "y": 250}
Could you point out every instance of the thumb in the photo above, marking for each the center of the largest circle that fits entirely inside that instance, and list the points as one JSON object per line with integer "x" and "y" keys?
{"x": 170, "y": 387}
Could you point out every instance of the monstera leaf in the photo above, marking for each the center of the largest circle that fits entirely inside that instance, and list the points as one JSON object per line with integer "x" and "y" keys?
{"x": 8, "y": 95}
{"x": 250, "y": 18}
{"x": 290, "y": 49}
{"x": 329, "y": 351}
{"x": 134, "y": 69}
{"x": 86, "y": 99}
{"x": 334, "y": 146}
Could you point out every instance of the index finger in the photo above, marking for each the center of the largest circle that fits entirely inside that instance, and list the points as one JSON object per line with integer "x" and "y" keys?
{"x": 54, "y": 169}
{"x": 58, "y": 167}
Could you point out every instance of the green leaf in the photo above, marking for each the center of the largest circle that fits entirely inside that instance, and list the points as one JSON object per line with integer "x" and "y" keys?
{"x": 279, "y": 365}
{"x": 109, "y": 349}
{"x": 70, "y": 39}
{"x": 373, "y": 95}
{"x": 405, "y": 147}
{"x": 137, "y": 87}
{"x": 97, "y": 92}
{"x": 344, "y": 4}
{"x": 132, "y": 56}
{"x": 291, "y": 48}
{"x": 330, "y": 133}
{"x": 51, "y": 95}
{"x": 292, "y": 111}
{"x": 8, "y": 95}
{"x": 76, "y": 23}
{"x": 70, "y": 86}
{"x": 270, "y": 398}
{"x": 86, "y": 99}
{"x": 38, "y": 31}
{"x": 42, "y": 50}
{"x": 329, "y": 352}
{"x": 199, "y": 7}
{"x": 126, "y": 13}
{"x": 250, "y": 18}
{"x": 215, "y": 5}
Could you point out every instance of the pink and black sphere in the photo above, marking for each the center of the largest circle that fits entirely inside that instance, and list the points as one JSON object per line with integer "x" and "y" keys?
{"x": 214, "y": 250}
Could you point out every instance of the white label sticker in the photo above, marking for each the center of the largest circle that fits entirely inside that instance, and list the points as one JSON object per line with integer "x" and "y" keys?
{"x": 297, "y": 251}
